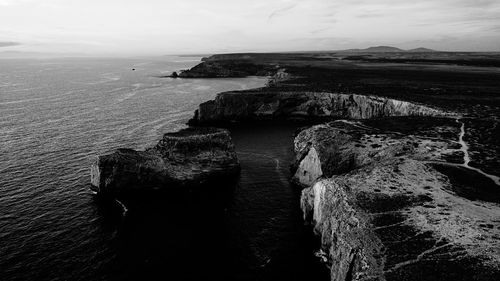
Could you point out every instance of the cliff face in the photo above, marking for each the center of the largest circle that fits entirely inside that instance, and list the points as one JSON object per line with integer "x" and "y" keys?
{"x": 189, "y": 157}
{"x": 384, "y": 212}
{"x": 258, "y": 105}
{"x": 341, "y": 146}
{"x": 126, "y": 170}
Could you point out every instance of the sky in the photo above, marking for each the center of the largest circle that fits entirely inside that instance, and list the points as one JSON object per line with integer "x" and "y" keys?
{"x": 156, "y": 27}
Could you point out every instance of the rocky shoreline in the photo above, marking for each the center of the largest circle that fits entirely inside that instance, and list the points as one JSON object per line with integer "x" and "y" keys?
{"x": 385, "y": 213}
{"x": 380, "y": 187}
{"x": 230, "y": 107}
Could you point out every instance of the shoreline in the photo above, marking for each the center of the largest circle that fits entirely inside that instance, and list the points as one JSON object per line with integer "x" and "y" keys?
{"x": 395, "y": 131}
{"x": 362, "y": 261}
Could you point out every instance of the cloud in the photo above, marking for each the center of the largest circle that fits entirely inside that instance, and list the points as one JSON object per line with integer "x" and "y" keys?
{"x": 8, "y": 44}
{"x": 161, "y": 26}
{"x": 317, "y": 31}
{"x": 15, "y": 2}
{"x": 281, "y": 11}
{"x": 370, "y": 15}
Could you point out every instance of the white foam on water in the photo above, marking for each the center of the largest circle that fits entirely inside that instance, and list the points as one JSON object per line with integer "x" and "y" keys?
{"x": 111, "y": 76}
{"x": 130, "y": 94}
{"x": 21, "y": 101}
{"x": 323, "y": 257}
{"x": 124, "y": 208}
{"x": 282, "y": 177}
{"x": 105, "y": 78}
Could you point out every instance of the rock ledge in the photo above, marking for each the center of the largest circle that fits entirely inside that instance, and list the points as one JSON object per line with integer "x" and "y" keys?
{"x": 190, "y": 157}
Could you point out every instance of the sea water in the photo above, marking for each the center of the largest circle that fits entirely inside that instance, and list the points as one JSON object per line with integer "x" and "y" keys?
{"x": 56, "y": 115}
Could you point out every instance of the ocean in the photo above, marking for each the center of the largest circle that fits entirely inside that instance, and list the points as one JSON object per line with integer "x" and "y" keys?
{"x": 57, "y": 115}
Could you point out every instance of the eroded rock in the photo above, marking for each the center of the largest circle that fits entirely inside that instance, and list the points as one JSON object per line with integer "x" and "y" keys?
{"x": 260, "y": 105}
{"x": 387, "y": 213}
{"x": 341, "y": 146}
{"x": 226, "y": 68}
{"x": 278, "y": 78}
{"x": 397, "y": 220}
{"x": 189, "y": 157}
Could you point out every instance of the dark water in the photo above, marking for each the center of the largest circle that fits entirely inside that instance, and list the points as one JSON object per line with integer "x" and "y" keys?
{"x": 251, "y": 229}
{"x": 56, "y": 115}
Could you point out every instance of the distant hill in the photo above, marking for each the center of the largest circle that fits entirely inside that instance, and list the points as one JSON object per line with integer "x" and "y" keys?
{"x": 421, "y": 50}
{"x": 383, "y": 49}
{"x": 387, "y": 49}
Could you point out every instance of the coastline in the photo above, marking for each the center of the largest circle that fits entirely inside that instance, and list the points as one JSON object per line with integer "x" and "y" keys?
{"x": 350, "y": 258}
{"x": 335, "y": 161}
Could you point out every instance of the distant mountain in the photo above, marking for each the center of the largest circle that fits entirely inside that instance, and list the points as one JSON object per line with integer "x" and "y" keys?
{"x": 387, "y": 49}
{"x": 383, "y": 49}
{"x": 421, "y": 50}
{"x": 377, "y": 49}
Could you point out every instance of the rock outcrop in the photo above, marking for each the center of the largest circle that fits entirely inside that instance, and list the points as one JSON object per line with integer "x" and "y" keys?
{"x": 385, "y": 212}
{"x": 229, "y": 68}
{"x": 265, "y": 105}
{"x": 341, "y": 146}
{"x": 189, "y": 157}
{"x": 278, "y": 78}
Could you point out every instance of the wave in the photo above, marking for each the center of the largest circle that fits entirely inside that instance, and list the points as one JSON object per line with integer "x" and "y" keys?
{"x": 21, "y": 101}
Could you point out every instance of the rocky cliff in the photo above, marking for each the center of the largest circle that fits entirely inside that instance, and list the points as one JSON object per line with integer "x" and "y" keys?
{"x": 227, "y": 68}
{"x": 341, "y": 146}
{"x": 189, "y": 157}
{"x": 390, "y": 200}
{"x": 384, "y": 210}
{"x": 265, "y": 105}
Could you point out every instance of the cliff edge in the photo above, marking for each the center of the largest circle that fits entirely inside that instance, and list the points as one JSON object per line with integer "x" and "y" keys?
{"x": 231, "y": 107}
{"x": 385, "y": 210}
{"x": 190, "y": 157}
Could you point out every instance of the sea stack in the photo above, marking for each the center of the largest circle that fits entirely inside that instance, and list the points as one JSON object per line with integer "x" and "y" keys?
{"x": 187, "y": 158}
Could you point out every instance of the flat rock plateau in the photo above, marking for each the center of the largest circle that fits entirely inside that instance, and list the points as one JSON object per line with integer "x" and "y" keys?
{"x": 190, "y": 157}
{"x": 400, "y": 173}
{"x": 385, "y": 209}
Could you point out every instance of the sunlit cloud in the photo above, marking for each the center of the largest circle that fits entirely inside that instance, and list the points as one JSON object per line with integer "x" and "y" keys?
{"x": 282, "y": 10}
{"x": 173, "y": 26}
